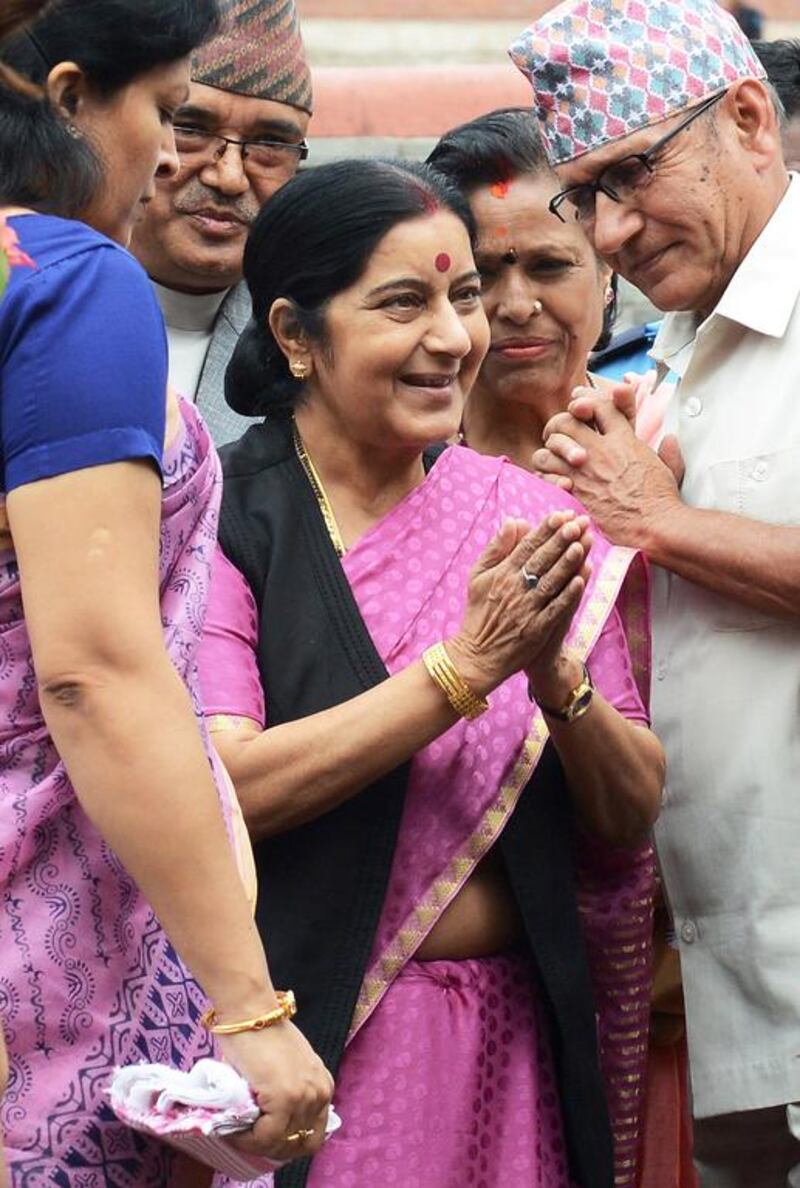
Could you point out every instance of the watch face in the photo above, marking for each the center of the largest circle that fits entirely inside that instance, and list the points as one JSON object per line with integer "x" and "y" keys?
{"x": 583, "y": 696}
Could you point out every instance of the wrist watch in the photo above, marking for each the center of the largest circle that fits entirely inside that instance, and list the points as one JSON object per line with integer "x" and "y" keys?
{"x": 577, "y": 703}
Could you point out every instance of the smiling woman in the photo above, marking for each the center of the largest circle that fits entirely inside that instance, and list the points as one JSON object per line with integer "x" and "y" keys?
{"x": 546, "y": 294}
{"x": 414, "y": 827}
{"x": 363, "y": 298}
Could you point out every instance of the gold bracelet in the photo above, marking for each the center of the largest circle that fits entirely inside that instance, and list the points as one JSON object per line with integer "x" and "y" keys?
{"x": 286, "y": 1010}
{"x": 444, "y": 672}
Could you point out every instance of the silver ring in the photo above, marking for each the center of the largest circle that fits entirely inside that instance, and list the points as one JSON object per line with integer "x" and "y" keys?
{"x": 531, "y": 580}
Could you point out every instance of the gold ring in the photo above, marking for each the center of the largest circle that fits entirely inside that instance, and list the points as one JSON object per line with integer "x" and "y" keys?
{"x": 299, "y": 1136}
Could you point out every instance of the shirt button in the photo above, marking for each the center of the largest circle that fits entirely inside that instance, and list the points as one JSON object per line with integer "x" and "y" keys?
{"x": 688, "y": 932}
{"x": 661, "y": 670}
{"x": 761, "y": 471}
{"x": 694, "y": 406}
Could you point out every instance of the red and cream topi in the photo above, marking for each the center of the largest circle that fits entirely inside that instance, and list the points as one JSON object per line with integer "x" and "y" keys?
{"x": 259, "y": 52}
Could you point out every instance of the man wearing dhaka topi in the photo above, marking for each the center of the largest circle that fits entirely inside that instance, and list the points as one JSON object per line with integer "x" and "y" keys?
{"x": 666, "y": 139}
{"x": 240, "y": 136}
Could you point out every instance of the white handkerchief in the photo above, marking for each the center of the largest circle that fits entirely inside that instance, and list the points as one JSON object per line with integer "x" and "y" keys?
{"x": 193, "y": 1111}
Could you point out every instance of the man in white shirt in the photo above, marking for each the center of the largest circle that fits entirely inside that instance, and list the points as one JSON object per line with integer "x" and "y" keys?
{"x": 240, "y": 136}
{"x": 667, "y": 144}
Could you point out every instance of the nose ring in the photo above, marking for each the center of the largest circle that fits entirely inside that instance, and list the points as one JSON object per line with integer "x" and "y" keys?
{"x": 537, "y": 308}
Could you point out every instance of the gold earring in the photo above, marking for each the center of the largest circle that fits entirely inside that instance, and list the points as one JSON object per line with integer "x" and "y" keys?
{"x": 300, "y": 369}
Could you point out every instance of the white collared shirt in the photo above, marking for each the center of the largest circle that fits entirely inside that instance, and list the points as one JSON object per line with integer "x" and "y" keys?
{"x": 726, "y": 690}
{"x": 189, "y": 318}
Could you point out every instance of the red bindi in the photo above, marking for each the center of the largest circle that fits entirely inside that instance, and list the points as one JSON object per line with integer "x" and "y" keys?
{"x": 499, "y": 189}
{"x": 442, "y": 262}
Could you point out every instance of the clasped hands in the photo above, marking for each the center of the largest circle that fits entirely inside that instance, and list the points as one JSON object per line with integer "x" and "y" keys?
{"x": 522, "y": 596}
{"x": 592, "y": 450}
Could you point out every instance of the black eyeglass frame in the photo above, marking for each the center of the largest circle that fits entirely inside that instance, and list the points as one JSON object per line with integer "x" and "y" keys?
{"x": 301, "y": 147}
{"x": 646, "y": 159}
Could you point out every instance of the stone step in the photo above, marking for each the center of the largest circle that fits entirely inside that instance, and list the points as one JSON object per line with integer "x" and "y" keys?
{"x": 390, "y": 43}
{"x": 382, "y": 42}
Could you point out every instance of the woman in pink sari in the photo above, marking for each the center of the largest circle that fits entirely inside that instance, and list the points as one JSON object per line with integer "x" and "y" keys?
{"x": 454, "y": 790}
{"x": 116, "y": 870}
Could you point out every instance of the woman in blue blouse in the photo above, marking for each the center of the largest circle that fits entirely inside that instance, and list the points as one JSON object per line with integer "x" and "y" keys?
{"x": 115, "y": 818}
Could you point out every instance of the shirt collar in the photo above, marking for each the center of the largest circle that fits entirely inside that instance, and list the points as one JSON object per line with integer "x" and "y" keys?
{"x": 189, "y": 311}
{"x": 762, "y": 294}
{"x": 674, "y": 342}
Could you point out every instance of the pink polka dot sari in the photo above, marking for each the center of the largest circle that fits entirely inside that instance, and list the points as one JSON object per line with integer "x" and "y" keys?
{"x": 447, "y": 1080}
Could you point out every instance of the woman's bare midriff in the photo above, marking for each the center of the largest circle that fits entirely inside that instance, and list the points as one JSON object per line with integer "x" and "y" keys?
{"x": 482, "y": 919}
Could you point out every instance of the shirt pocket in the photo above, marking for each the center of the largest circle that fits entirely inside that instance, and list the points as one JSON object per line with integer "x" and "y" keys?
{"x": 764, "y": 487}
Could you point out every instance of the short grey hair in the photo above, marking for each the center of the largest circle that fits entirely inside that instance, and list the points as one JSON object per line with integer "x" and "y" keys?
{"x": 778, "y": 104}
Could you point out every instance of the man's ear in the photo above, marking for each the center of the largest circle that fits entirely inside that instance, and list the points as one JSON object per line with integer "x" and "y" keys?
{"x": 750, "y": 106}
{"x": 66, "y": 88}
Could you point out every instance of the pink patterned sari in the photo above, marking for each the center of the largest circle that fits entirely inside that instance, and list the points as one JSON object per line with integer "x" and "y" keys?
{"x": 447, "y": 1079}
{"x": 88, "y": 979}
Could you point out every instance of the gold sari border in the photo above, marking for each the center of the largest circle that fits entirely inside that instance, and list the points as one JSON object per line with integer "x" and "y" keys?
{"x": 220, "y": 723}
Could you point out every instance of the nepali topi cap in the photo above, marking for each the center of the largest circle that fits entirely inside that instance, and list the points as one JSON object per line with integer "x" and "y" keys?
{"x": 258, "y": 51}
{"x": 601, "y": 69}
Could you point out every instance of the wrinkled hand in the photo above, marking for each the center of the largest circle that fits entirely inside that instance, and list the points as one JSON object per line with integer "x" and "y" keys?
{"x": 507, "y": 626}
{"x": 291, "y": 1086}
{"x": 623, "y": 484}
{"x": 625, "y": 397}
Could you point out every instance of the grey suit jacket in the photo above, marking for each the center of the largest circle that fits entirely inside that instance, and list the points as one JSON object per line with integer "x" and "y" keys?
{"x": 224, "y": 424}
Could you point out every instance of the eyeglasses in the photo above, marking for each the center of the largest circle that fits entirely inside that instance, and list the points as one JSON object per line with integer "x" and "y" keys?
{"x": 259, "y": 157}
{"x": 624, "y": 180}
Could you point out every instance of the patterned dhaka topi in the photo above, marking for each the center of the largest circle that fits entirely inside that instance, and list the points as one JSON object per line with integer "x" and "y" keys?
{"x": 258, "y": 52}
{"x": 601, "y": 69}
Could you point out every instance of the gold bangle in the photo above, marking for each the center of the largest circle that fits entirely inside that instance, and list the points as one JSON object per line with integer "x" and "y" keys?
{"x": 444, "y": 672}
{"x": 286, "y": 1010}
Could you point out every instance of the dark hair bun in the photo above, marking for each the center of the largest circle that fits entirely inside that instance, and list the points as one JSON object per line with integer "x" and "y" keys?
{"x": 257, "y": 381}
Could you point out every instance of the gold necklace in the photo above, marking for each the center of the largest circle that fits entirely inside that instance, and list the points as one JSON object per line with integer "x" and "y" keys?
{"x": 319, "y": 491}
